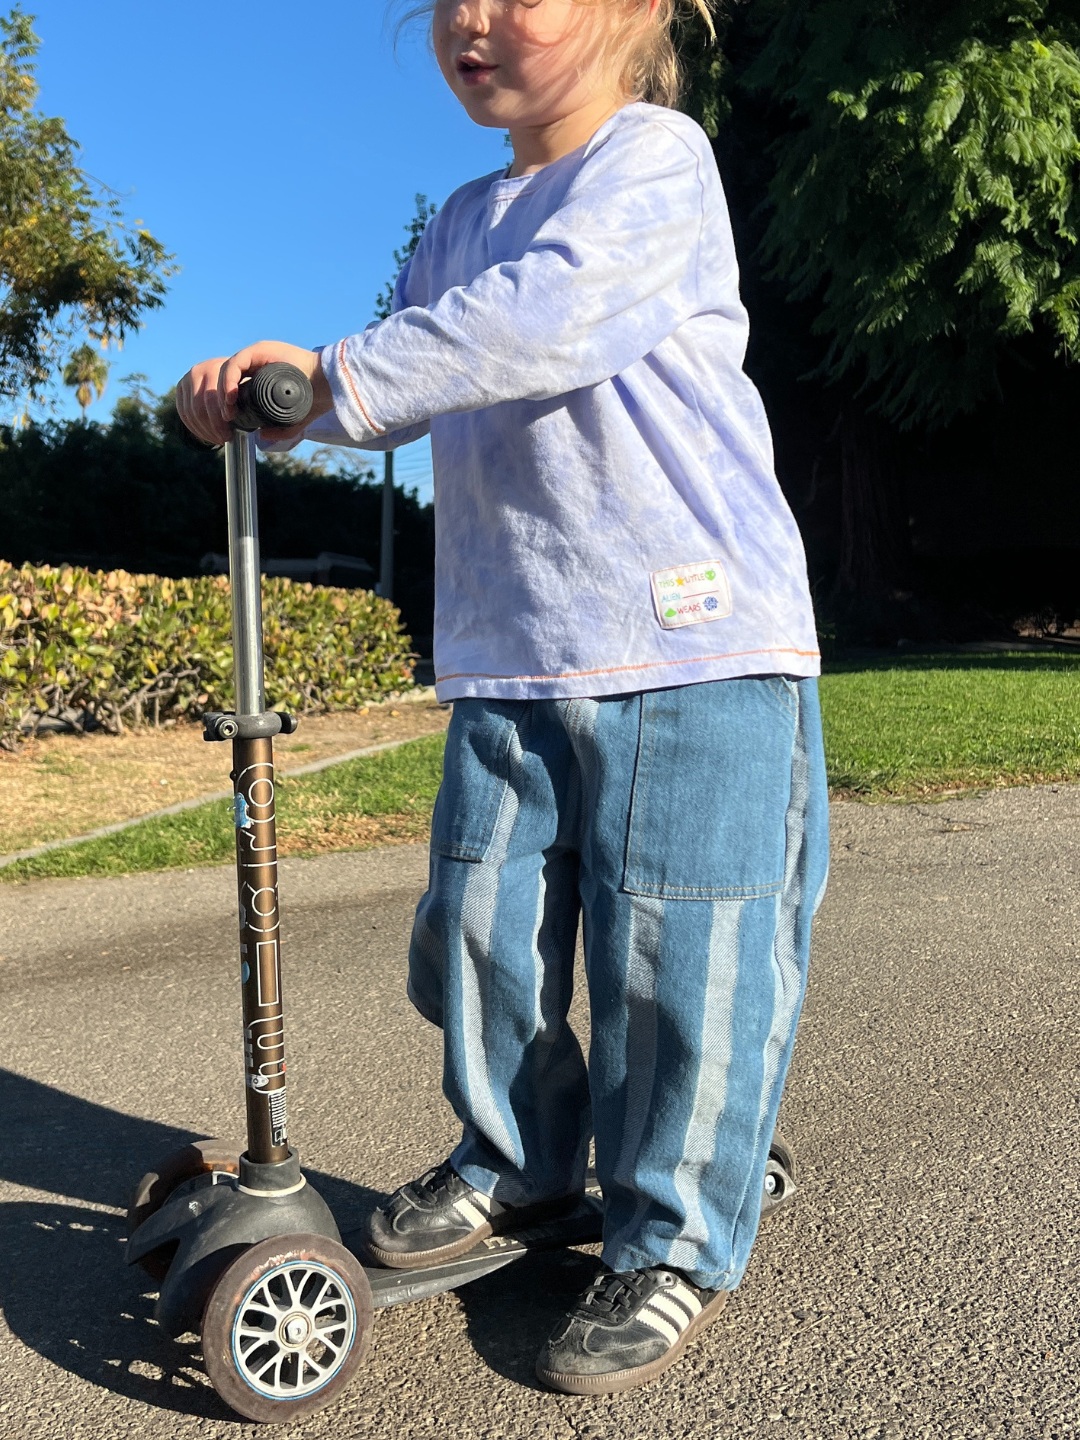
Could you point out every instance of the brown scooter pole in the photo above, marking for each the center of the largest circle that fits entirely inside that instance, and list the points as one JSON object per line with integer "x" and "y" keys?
{"x": 256, "y": 834}
{"x": 278, "y": 395}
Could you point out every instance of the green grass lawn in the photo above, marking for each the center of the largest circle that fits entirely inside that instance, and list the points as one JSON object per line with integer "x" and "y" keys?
{"x": 911, "y": 728}
{"x": 921, "y": 726}
{"x": 376, "y": 800}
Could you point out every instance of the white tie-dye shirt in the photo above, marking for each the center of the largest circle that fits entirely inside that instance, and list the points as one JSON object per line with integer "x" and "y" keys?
{"x": 607, "y": 514}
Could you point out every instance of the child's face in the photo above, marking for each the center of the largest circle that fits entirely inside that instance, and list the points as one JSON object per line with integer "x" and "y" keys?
{"x": 522, "y": 63}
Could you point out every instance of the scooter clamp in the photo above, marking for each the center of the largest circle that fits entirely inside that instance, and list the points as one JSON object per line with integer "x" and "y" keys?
{"x": 224, "y": 725}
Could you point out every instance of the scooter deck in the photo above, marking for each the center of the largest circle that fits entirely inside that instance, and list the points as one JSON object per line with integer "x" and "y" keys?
{"x": 583, "y": 1226}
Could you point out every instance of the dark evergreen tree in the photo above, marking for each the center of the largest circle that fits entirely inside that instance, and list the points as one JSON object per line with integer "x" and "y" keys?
{"x": 903, "y": 177}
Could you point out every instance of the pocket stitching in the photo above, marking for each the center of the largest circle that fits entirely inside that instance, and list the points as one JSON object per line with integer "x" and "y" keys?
{"x": 634, "y": 840}
{"x": 787, "y": 693}
{"x": 452, "y": 850}
{"x": 694, "y": 892}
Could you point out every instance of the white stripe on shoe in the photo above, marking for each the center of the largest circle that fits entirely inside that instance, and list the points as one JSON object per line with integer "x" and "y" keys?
{"x": 470, "y": 1212}
{"x": 660, "y": 1323}
{"x": 677, "y": 1308}
{"x": 686, "y": 1296}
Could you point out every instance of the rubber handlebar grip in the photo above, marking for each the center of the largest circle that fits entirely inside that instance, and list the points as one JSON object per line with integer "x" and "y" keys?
{"x": 277, "y": 396}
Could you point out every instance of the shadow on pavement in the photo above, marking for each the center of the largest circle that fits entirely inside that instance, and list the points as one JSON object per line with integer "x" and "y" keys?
{"x": 65, "y": 1290}
{"x": 511, "y": 1313}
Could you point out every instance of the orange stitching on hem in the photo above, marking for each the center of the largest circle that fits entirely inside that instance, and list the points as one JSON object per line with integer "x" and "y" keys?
{"x": 619, "y": 669}
{"x": 355, "y": 395}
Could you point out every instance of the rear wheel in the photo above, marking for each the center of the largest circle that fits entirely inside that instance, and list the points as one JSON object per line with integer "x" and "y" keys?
{"x": 286, "y": 1327}
{"x": 201, "y": 1157}
{"x": 780, "y": 1185}
{"x": 782, "y": 1152}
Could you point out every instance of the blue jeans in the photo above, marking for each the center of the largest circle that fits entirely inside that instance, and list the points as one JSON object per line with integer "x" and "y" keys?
{"x": 689, "y": 829}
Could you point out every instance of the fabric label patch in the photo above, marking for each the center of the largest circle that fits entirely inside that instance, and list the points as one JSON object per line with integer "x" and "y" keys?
{"x": 690, "y": 594}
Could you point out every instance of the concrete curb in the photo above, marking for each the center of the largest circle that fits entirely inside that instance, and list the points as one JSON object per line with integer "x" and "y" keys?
{"x": 310, "y": 769}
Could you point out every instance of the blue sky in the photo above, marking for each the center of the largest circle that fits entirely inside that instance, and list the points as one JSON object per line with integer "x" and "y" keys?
{"x": 274, "y": 148}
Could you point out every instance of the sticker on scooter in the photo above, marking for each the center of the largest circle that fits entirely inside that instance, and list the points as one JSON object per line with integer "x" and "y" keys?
{"x": 269, "y": 988}
{"x": 279, "y": 1124}
{"x": 270, "y": 1038}
{"x": 241, "y": 819}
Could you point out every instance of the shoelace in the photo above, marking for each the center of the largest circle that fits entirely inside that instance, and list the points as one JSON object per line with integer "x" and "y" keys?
{"x": 427, "y": 1192}
{"x": 613, "y": 1296}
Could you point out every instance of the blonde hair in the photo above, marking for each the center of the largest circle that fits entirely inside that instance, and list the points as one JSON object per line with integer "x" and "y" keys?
{"x": 645, "y": 55}
{"x": 650, "y": 68}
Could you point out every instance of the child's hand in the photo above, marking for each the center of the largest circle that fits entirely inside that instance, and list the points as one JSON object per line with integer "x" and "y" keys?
{"x": 206, "y": 396}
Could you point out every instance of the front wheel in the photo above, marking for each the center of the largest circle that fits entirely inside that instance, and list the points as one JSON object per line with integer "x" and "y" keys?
{"x": 286, "y": 1327}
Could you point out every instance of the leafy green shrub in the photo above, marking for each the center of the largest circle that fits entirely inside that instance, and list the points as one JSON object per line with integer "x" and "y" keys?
{"x": 91, "y": 648}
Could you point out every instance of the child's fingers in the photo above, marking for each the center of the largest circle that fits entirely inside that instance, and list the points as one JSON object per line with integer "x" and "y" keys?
{"x": 253, "y": 358}
{"x": 197, "y": 403}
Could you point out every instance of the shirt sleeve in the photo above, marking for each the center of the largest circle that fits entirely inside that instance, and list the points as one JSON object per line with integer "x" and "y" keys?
{"x": 328, "y": 429}
{"x": 606, "y": 277}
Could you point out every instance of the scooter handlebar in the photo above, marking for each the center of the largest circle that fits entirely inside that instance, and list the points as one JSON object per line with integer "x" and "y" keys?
{"x": 277, "y": 396}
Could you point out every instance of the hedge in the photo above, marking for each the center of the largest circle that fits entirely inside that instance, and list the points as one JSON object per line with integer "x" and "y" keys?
{"x": 91, "y": 649}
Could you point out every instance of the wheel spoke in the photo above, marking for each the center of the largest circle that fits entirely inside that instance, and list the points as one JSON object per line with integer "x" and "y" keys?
{"x": 274, "y": 1360}
{"x": 308, "y": 1291}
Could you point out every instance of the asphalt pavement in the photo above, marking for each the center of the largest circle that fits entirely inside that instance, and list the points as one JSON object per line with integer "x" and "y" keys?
{"x": 922, "y": 1284}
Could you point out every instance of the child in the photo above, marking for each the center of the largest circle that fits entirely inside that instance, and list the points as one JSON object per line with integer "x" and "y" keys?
{"x": 624, "y": 625}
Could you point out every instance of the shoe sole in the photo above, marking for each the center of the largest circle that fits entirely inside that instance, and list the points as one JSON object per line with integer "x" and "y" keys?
{"x": 522, "y": 1220}
{"x": 617, "y": 1380}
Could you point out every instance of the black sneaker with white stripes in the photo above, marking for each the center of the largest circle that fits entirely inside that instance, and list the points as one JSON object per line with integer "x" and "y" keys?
{"x": 626, "y": 1330}
{"x": 440, "y": 1217}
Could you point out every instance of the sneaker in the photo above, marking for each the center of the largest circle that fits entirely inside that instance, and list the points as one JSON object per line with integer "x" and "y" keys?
{"x": 626, "y": 1330}
{"x": 440, "y": 1217}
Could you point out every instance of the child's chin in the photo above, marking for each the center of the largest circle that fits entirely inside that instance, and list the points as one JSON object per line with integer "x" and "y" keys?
{"x": 483, "y": 107}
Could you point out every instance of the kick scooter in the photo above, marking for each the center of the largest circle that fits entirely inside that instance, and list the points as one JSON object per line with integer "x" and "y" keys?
{"x": 247, "y": 1253}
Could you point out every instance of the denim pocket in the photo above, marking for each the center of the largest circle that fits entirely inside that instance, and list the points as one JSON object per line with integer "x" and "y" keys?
{"x": 476, "y": 772}
{"x": 712, "y": 782}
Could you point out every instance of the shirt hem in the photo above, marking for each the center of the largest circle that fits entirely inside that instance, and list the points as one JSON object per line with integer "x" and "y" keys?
{"x": 620, "y": 679}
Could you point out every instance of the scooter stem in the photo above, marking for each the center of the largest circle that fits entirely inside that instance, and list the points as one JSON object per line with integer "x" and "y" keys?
{"x": 244, "y": 569}
{"x": 256, "y": 834}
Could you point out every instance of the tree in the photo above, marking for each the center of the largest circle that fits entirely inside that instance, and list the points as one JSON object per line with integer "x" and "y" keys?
{"x": 425, "y": 211}
{"x": 904, "y": 185}
{"x": 86, "y": 371}
{"x": 383, "y": 306}
{"x": 925, "y": 188}
{"x": 69, "y": 264}
{"x": 131, "y": 495}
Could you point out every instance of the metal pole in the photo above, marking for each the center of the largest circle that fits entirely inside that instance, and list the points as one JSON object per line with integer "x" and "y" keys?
{"x": 244, "y": 574}
{"x": 260, "y": 951}
{"x": 256, "y": 834}
{"x": 386, "y": 551}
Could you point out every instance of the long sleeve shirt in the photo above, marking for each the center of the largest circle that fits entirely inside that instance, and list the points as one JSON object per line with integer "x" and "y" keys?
{"x": 606, "y": 510}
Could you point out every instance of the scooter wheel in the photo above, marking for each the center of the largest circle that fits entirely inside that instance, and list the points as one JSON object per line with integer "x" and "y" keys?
{"x": 286, "y": 1327}
{"x": 782, "y": 1152}
{"x": 780, "y": 1184}
{"x": 201, "y": 1157}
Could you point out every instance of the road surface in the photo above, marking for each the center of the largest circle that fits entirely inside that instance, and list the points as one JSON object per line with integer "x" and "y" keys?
{"x": 923, "y": 1284}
